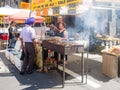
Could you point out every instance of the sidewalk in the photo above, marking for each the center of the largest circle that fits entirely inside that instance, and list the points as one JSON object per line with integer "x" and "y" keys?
{"x": 11, "y": 80}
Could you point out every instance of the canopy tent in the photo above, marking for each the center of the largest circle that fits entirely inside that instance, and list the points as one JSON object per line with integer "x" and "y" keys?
{"x": 22, "y": 16}
{"x": 5, "y": 11}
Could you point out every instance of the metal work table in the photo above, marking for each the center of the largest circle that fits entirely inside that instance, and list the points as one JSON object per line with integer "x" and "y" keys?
{"x": 66, "y": 48}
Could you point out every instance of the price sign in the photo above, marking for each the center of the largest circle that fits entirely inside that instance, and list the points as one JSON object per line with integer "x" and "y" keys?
{"x": 45, "y": 12}
{"x": 72, "y": 6}
{"x": 61, "y": 2}
{"x": 72, "y": 11}
{"x": 55, "y": 11}
{"x": 25, "y": 5}
{"x": 47, "y": 19}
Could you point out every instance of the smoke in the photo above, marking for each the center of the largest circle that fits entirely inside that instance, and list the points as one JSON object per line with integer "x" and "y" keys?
{"x": 86, "y": 24}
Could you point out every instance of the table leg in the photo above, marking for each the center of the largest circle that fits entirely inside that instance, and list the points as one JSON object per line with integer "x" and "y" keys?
{"x": 63, "y": 72}
{"x": 87, "y": 67}
{"x": 82, "y": 64}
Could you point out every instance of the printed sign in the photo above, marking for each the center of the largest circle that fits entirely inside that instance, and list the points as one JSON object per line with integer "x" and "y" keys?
{"x": 38, "y": 12}
{"x": 52, "y": 3}
{"x": 55, "y": 11}
{"x": 25, "y": 5}
{"x": 72, "y": 11}
{"x": 63, "y": 10}
{"x": 47, "y": 19}
{"x": 45, "y": 12}
{"x": 73, "y": 1}
{"x": 38, "y": 1}
{"x": 62, "y": 3}
{"x": 72, "y": 6}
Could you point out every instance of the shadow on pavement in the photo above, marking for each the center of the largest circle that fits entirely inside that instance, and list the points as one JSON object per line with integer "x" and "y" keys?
{"x": 94, "y": 68}
{"x": 53, "y": 79}
{"x": 33, "y": 81}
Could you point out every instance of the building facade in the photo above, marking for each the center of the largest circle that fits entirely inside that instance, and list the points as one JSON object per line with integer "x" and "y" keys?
{"x": 11, "y": 3}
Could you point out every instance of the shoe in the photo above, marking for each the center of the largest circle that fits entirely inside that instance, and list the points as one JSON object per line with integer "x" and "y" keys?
{"x": 61, "y": 63}
{"x": 39, "y": 70}
{"x": 29, "y": 72}
{"x": 22, "y": 73}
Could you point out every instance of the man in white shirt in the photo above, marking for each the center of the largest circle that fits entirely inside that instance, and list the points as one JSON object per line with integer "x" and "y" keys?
{"x": 27, "y": 37}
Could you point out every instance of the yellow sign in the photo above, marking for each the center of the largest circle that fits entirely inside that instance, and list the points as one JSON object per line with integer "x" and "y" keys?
{"x": 73, "y": 1}
{"x": 45, "y": 12}
{"x": 40, "y": 4}
{"x": 48, "y": 4}
{"x": 62, "y": 3}
{"x": 25, "y": 5}
{"x": 47, "y": 19}
{"x": 38, "y": 12}
{"x": 38, "y": 1}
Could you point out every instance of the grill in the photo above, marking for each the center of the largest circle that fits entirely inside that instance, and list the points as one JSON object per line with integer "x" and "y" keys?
{"x": 66, "y": 48}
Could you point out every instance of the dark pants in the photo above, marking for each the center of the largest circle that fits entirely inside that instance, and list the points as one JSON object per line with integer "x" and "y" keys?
{"x": 12, "y": 42}
{"x": 29, "y": 57}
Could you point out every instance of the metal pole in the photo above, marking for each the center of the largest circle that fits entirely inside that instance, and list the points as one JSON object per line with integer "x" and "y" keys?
{"x": 30, "y": 1}
{"x": 63, "y": 79}
{"x": 82, "y": 67}
{"x": 87, "y": 62}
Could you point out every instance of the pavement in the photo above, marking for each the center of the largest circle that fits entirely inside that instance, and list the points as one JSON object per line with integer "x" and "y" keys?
{"x": 11, "y": 80}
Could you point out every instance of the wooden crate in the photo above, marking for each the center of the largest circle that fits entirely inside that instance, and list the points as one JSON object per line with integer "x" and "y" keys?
{"x": 110, "y": 65}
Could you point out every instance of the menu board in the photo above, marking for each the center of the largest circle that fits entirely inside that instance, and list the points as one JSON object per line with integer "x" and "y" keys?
{"x": 72, "y": 8}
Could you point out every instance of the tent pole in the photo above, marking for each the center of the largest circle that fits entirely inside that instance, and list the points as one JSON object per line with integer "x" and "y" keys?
{"x": 30, "y": 1}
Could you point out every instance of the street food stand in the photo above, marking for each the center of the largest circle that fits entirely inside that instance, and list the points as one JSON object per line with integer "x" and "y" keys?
{"x": 65, "y": 48}
{"x": 110, "y": 55}
{"x": 110, "y": 61}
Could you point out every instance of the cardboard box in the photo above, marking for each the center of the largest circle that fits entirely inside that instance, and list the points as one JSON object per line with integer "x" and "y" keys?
{"x": 110, "y": 65}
